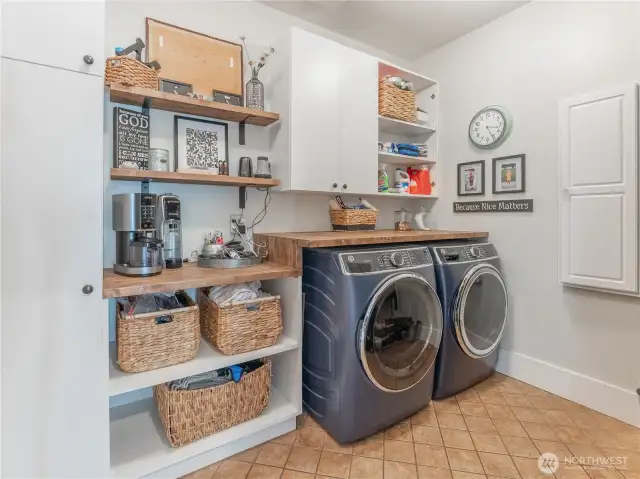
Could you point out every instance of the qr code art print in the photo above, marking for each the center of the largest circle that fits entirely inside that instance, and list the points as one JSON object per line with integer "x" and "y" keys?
{"x": 202, "y": 149}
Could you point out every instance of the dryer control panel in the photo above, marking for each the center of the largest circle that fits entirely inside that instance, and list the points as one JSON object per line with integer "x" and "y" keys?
{"x": 369, "y": 262}
{"x": 465, "y": 253}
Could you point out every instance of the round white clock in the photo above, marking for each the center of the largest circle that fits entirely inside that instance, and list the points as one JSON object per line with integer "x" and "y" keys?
{"x": 490, "y": 127}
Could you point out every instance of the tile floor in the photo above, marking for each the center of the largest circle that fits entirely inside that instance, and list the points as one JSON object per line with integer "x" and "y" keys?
{"x": 496, "y": 430}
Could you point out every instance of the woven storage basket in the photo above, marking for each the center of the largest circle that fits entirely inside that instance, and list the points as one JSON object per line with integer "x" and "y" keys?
{"x": 353, "y": 220}
{"x": 396, "y": 103}
{"x": 129, "y": 72}
{"x": 240, "y": 326}
{"x": 144, "y": 345}
{"x": 191, "y": 415}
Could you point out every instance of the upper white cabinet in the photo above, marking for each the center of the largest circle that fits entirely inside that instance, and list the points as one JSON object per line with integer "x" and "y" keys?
{"x": 327, "y": 96}
{"x": 599, "y": 190}
{"x": 65, "y": 34}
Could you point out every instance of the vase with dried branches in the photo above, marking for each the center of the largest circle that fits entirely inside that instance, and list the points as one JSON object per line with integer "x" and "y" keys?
{"x": 254, "y": 98}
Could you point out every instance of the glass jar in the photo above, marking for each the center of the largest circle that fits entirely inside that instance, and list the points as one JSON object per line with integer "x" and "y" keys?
{"x": 402, "y": 219}
{"x": 255, "y": 94}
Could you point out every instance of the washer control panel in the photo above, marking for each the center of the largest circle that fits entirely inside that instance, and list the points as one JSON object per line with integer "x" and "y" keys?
{"x": 367, "y": 262}
{"x": 465, "y": 253}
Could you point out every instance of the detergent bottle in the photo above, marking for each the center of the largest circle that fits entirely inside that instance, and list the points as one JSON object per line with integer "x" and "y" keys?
{"x": 402, "y": 181}
{"x": 422, "y": 178}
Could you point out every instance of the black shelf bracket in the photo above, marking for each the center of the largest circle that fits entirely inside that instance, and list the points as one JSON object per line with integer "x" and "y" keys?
{"x": 144, "y": 185}
{"x": 241, "y": 133}
{"x": 242, "y": 197}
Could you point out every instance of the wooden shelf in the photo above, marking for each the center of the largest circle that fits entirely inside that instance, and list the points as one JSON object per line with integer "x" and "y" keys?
{"x": 406, "y": 196}
{"x": 125, "y": 174}
{"x": 189, "y": 276}
{"x": 403, "y": 128}
{"x": 404, "y": 160}
{"x": 190, "y": 106}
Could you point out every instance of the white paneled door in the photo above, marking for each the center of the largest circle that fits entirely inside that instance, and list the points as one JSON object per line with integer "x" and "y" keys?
{"x": 599, "y": 190}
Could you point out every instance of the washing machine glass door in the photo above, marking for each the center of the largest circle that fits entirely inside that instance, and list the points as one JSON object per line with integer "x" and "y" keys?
{"x": 400, "y": 333}
{"x": 480, "y": 311}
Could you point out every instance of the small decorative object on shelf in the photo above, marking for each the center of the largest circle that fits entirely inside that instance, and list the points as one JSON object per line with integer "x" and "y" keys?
{"x": 130, "y": 139}
{"x": 177, "y": 87}
{"x": 403, "y": 220}
{"x": 201, "y": 146}
{"x": 228, "y": 98}
{"x": 158, "y": 159}
{"x": 255, "y": 88}
{"x": 471, "y": 178}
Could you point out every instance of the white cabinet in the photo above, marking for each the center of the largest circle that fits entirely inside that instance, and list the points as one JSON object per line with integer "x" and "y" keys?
{"x": 327, "y": 96}
{"x": 54, "y": 344}
{"x": 58, "y": 34}
{"x": 599, "y": 190}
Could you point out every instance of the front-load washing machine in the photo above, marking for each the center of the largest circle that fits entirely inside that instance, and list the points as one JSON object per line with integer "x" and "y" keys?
{"x": 474, "y": 301}
{"x": 372, "y": 328}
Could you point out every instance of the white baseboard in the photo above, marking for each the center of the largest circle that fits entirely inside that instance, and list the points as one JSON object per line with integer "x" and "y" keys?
{"x": 592, "y": 393}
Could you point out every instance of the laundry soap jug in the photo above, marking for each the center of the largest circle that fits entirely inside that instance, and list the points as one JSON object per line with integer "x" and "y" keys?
{"x": 422, "y": 178}
{"x": 383, "y": 178}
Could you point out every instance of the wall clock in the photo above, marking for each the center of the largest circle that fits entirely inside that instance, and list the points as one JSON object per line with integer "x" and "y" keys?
{"x": 490, "y": 127}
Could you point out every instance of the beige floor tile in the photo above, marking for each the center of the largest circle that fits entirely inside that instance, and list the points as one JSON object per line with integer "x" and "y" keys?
{"x": 425, "y": 472}
{"x": 528, "y": 468}
{"x": 584, "y": 419}
{"x": 232, "y": 469}
{"x": 623, "y": 460}
{"x": 517, "y": 400}
{"x": 204, "y": 473}
{"x": 288, "y": 474}
{"x": 399, "y": 470}
{"x": 472, "y": 409}
{"x": 545, "y": 402}
{"x": 308, "y": 421}
{"x": 303, "y": 459}
{"x": 330, "y": 444}
{"x": 499, "y": 465}
{"x": 310, "y": 437}
{"x": 491, "y": 397}
{"x": 570, "y": 471}
{"x": 373, "y": 448}
{"x": 446, "y": 407}
{"x": 399, "y": 432}
{"x": 603, "y": 473}
{"x": 452, "y": 421}
{"x": 457, "y": 439}
{"x": 571, "y": 434}
{"x": 521, "y": 446}
{"x": 488, "y": 443}
{"x": 509, "y": 427}
{"x": 289, "y": 439}
{"x": 399, "y": 451}
{"x": 463, "y": 460}
{"x": 554, "y": 447}
{"x": 334, "y": 464}
{"x": 466, "y": 475}
{"x": 274, "y": 455}
{"x": 468, "y": 396}
{"x": 426, "y": 417}
{"x": 249, "y": 455}
{"x": 499, "y": 411}
{"x": 480, "y": 424}
{"x": 260, "y": 471}
{"x": 556, "y": 416}
{"x": 432, "y": 456}
{"x": 586, "y": 452}
{"x": 427, "y": 435}
{"x": 631, "y": 474}
{"x": 539, "y": 431}
{"x": 528, "y": 414}
{"x": 367, "y": 468}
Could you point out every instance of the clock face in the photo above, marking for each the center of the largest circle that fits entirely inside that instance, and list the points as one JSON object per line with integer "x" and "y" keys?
{"x": 489, "y": 127}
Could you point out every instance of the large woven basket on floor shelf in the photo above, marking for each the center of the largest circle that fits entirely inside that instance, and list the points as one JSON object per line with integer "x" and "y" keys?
{"x": 191, "y": 415}
{"x": 353, "y": 220}
{"x": 144, "y": 343}
{"x": 396, "y": 103}
{"x": 240, "y": 326}
{"x": 129, "y": 72}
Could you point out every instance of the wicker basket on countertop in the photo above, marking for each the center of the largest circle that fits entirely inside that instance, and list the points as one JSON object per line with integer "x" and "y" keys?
{"x": 353, "y": 220}
{"x": 129, "y": 72}
{"x": 188, "y": 416}
{"x": 396, "y": 103}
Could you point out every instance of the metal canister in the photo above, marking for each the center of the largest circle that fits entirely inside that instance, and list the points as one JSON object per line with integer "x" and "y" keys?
{"x": 158, "y": 159}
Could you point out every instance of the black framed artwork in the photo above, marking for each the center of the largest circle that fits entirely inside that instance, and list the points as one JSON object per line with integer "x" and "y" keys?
{"x": 200, "y": 146}
{"x": 471, "y": 178}
{"x": 509, "y": 174}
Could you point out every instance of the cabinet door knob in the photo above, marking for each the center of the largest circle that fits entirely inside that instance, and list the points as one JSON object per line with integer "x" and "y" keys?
{"x": 87, "y": 289}
{"x": 88, "y": 59}
{"x": 335, "y": 185}
{"x": 344, "y": 186}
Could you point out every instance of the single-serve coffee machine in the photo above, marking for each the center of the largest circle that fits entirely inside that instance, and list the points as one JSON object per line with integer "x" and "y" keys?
{"x": 169, "y": 229}
{"x": 138, "y": 251}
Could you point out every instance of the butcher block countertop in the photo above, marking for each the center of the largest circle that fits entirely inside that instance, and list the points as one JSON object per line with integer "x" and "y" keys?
{"x": 286, "y": 248}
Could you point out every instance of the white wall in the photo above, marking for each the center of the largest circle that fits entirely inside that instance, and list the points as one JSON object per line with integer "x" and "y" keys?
{"x": 580, "y": 344}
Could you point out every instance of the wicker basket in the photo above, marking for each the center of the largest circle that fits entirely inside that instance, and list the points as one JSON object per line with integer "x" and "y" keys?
{"x": 240, "y": 326}
{"x": 129, "y": 72}
{"x": 144, "y": 345}
{"x": 396, "y": 103}
{"x": 353, "y": 220}
{"x": 191, "y": 415}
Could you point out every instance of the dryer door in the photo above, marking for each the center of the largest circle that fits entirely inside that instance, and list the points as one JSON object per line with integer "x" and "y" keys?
{"x": 480, "y": 311}
{"x": 400, "y": 333}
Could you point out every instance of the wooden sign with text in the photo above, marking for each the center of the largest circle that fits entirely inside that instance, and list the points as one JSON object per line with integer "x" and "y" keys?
{"x": 499, "y": 206}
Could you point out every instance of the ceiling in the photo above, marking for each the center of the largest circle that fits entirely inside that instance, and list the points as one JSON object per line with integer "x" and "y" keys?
{"x": 406, "y": 29}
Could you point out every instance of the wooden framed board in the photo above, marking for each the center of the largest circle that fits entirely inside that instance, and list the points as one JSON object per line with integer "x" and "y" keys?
{"x": 208, "y": 63}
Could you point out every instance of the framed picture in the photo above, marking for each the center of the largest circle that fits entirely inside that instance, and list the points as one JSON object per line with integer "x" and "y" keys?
{"x": 509, "y": 174}
{"x": 471, "y": 178}
{"x": 201, "y": 146}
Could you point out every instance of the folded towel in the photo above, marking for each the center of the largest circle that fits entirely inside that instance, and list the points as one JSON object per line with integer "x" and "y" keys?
{"x": 402, "y": 151}
{"x": 407, "y": 146}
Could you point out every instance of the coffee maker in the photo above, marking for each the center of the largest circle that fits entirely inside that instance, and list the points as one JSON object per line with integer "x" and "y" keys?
{"x": 169, "y": 229}
{"x": 138, "y": 251}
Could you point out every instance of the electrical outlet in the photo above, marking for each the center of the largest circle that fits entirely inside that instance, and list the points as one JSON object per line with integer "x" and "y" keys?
{"x": 237, "y": 225}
